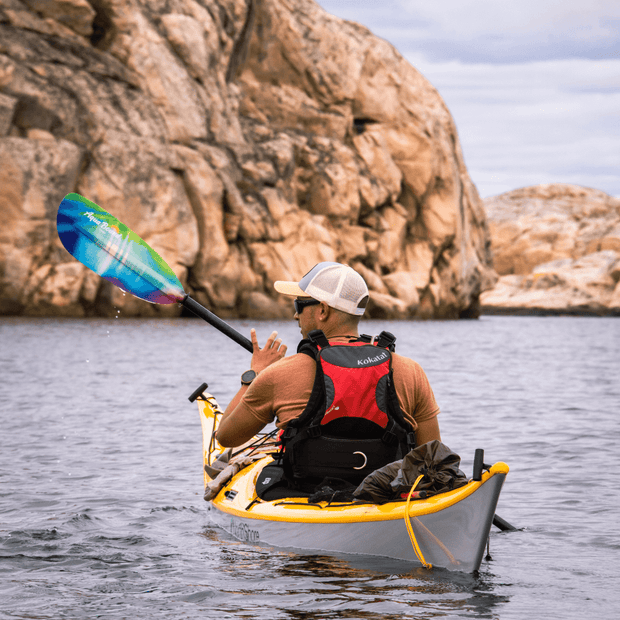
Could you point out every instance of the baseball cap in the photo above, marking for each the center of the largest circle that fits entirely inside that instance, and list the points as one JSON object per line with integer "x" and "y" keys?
{"x": 338, "y": 285}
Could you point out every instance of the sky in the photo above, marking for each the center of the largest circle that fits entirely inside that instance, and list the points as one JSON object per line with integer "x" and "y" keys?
{"x": 533, "y": 85}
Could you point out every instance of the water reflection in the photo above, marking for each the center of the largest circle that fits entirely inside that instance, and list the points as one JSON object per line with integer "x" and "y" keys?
{"x": 318, "y": 587}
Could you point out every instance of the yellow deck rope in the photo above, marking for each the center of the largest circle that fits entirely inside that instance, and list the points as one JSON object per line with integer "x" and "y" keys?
{"x": 414, "y": 542}
{"x": 438, "y": 542}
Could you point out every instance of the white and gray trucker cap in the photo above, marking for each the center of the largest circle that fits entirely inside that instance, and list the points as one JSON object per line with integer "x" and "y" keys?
{"x": 338, "y": 285}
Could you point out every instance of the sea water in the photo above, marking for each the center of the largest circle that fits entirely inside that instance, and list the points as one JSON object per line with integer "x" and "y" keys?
{"x": 101, "y": 509}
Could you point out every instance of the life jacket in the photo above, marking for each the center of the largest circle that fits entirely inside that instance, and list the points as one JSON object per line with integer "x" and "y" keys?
{"x": 353, "y": 423}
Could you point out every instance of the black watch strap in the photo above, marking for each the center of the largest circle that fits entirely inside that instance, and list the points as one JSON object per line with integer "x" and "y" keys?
{"x": 247, "y": 377}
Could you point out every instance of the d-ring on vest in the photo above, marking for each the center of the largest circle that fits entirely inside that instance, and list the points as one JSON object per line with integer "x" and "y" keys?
{"x": 353, "y": 423}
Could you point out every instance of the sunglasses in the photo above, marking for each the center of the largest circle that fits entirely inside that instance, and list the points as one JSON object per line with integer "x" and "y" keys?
{"x": 300, "y": 304}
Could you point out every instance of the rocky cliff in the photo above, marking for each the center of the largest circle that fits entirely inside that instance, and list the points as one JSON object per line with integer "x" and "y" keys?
{"x": 557, "y": 250}
{"x": 244, "y": 140}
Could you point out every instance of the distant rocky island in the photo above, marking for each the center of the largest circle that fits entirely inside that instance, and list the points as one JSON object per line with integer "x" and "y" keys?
{"x": 556, "y": 249}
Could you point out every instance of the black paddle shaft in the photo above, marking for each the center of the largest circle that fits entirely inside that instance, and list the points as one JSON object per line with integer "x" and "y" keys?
{"x": 209, "y": 317}
{"x": 503, "y": 525}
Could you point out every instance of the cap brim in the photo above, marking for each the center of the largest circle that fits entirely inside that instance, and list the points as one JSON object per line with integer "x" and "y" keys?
{"x": 291, "y": 289}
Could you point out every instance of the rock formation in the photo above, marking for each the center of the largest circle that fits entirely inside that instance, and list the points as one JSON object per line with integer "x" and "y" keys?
{"x": 557, "y": 250}
{"x": 244, "y": 140}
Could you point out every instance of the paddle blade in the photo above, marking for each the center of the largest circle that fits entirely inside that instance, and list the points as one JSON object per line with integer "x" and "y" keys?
{"x": 113, "y": 251}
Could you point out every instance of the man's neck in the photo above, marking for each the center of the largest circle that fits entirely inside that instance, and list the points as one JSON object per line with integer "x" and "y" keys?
{"x": 340, "y": 331}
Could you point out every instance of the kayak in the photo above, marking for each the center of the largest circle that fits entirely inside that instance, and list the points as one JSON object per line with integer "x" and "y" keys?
{"x": 449, "y": 530}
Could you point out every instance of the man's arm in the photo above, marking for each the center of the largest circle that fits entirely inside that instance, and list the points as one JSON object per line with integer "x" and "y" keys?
{"x": 237, "y": 426}
{"x": 427, "y": 431}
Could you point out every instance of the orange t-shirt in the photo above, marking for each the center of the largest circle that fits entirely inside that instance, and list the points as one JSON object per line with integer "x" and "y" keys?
{"x": 281, "y": 391}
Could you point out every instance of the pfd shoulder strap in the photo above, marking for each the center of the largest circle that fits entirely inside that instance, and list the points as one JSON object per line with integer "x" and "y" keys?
{"x": 311, "y": 345}
{"x": 386, "y": 340}
{"x": 317, "y": 337}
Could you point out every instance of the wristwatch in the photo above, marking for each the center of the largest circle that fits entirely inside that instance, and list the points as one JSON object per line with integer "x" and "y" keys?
{"x": 247, "y": 377}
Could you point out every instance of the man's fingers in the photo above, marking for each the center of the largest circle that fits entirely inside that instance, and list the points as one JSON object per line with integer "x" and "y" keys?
{"x": 254, "y": 339}
{"x": 272, "y": 352}
{"x": 270, "y": 340}
{"x": 272, "y": 345}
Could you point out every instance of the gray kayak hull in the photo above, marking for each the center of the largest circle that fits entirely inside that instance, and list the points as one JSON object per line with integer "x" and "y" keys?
{"x": 454, "y": 537}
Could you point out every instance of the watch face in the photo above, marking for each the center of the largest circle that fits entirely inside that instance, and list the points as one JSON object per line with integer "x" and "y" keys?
{"x": 248, "y": 376}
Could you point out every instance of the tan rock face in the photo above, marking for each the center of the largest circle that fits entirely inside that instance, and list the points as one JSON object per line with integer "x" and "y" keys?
{"x": 557, "y": 249}
{"x": 34, "y": 176}
{"x": 244, "y": 141}
{"x": 75, "y": 14}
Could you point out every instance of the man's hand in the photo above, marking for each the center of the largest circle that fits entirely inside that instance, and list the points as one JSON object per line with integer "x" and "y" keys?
{"x": 234, "y": 430}
{"x": 273, "y": 351}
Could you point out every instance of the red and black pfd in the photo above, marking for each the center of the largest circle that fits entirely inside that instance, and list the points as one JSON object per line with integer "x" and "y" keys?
{"x": 353, "y": 423}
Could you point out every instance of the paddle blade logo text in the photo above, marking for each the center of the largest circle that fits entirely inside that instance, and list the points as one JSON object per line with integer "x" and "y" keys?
{"x": 111, "y": 229}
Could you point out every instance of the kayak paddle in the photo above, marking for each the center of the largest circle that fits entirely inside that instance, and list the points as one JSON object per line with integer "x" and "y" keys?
{"x": 113, "y": 251}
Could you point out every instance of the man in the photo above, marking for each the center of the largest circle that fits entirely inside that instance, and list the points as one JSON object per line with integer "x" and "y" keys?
{"x": 331, "y": 297}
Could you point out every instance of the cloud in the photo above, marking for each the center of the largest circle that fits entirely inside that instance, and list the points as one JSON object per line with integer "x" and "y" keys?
{"x": 491, "y": 31}
{"x": 488, "y": 30}
{"x": 533, "y": 86}
{"x": 530, "y": 123}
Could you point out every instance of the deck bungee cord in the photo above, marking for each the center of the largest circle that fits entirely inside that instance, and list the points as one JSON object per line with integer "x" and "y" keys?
{"x": 412, "y": 537}
{"x": 414, "y": 542}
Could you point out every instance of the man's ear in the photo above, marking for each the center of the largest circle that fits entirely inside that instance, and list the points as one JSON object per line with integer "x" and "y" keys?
{"x": 324, "y": 312}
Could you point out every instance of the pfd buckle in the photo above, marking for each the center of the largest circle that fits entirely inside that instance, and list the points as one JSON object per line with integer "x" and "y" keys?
{"x": 389, "y": 438}
{"x": 314, "y": 431}
{"x": 289, "y": 433}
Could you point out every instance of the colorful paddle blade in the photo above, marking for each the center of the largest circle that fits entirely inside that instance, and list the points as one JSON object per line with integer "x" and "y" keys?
{"x": 105, "y": 245}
